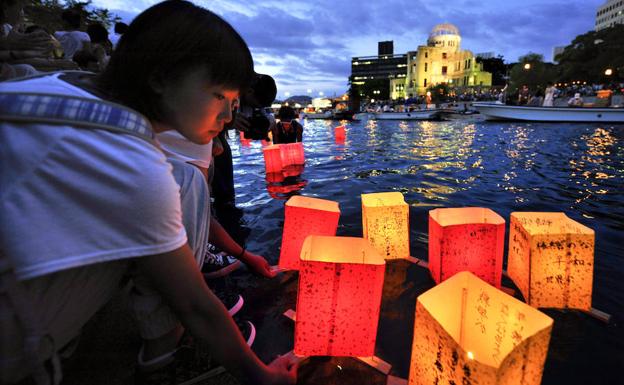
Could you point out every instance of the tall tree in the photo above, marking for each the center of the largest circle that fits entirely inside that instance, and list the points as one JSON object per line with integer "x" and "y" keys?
{"x": 532, "y": 71}
{"x": 591, "y": 54}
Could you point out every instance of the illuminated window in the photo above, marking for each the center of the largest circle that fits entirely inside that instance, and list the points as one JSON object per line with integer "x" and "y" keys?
{"x": 444, "y": 70}
{"x": 425, "y": 83}
{"x": 443, "y": 55}
{"x": 426, "y": 67}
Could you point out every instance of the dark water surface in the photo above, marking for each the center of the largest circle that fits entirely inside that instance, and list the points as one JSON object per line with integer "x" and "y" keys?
{"x": 573, "y": 168}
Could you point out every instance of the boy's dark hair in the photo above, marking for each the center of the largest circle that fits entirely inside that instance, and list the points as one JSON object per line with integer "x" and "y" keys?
{"x": 121, "y": 28}
{"x": 286, "y": 113}
{"x": 72, "y": 18}
{"x": 97, "y": 33}
{"x": 165, "y": 42}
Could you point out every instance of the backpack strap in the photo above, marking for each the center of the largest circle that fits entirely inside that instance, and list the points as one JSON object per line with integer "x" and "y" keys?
{"x": 81, "y": 112}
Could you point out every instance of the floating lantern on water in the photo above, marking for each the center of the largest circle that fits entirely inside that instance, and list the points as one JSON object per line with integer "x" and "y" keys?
{"x": 385, "y": 223}
{"x": 466, "y": 239}
{"x": 340, "y": 134}
{"x": 305, "y": 216}
{"x": 292, "y": 154}
{"x": 551, "y": 260}
{"x": 339, "y": 297}
{"x": 244, "y": 141}
{"x": 469, "y": 332}
{"x": 272, "y": 159}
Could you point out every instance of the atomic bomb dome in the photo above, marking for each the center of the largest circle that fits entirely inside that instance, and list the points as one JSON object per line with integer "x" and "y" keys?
{"x": 444, "y": 35}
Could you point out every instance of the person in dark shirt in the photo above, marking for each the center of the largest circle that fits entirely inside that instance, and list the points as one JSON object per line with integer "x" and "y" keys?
{"x": 287, "y": 130}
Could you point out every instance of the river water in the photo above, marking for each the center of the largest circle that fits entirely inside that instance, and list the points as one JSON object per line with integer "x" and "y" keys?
{"x": 577, "y": 169}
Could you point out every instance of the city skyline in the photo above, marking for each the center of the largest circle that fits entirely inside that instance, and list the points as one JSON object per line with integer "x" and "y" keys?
{"x": 307, "y": 47}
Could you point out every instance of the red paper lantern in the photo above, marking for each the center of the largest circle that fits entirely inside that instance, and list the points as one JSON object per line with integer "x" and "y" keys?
{"x": 305, "y": 216}
{"x": 340, "y": 134}
{"x": 339, "y": 297}
{"x": 292, "y": 154}
{"x": 466, "y": 239}
{"x": 272, "y": 158}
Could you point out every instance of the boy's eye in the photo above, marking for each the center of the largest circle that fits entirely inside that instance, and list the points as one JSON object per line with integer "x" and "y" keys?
{"x": 219, "y": 96}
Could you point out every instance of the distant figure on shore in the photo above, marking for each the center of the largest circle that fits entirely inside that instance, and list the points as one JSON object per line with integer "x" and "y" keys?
{"x": 523, "y": 95}
{"x": 287, "y": 130}
{"x": 576, "y": 101}
{"x": 72, "y": 39}
{"x": 120, "y": 29}
{"x": 549, "y": 96}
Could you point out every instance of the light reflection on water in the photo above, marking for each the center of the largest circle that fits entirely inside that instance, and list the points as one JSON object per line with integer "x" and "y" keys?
{"x": 574, "y": 168}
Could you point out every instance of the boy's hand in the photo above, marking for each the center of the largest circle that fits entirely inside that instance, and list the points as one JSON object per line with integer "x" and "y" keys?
{"x": 258, "y": 265}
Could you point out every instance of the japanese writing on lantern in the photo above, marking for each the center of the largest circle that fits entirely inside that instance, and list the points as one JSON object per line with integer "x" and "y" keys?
{"x": 501, "y": 331}
{"x": 483, "y": 304}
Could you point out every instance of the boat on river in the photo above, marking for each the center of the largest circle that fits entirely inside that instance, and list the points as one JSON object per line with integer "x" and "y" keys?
{"x": 411, "y": 115}
{"x": 318, "y": 115}
{"x": 498, "y": 111}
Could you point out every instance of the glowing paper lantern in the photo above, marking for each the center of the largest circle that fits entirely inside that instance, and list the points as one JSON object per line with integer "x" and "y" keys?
{"x": 551, "y": 260}
{"x": 339, "y": 297}
{"x": 272, "y": 159}
{"x": 305, "y": 216}
{"x": 466, "y": 239}
{"x": 244, "y": 141}
{"x": 292, "y": 170}
{"x": 292, "y": 154}
{"x": 340, "y": 134}
{"x": 469, "y": 332}
{"x": 385, "y": 223}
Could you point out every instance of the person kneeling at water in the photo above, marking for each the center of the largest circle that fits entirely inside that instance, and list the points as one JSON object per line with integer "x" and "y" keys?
{"x": 287, "y": 130}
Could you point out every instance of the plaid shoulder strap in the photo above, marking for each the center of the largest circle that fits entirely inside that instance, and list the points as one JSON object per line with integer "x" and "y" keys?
{"x": 73, "y": 110}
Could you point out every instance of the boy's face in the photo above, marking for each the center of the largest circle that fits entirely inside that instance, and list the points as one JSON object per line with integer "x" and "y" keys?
{"x": 196, "y": 108}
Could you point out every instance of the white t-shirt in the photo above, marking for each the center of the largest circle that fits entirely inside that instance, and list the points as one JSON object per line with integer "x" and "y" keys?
{"x": 72, "y": 197}
{"x": 72, "y": 42}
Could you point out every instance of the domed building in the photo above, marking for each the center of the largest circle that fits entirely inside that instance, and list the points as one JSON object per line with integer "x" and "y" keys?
{"x": 440, "y": 61}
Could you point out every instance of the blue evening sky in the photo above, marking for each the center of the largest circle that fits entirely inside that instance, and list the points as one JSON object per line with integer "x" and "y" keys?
{"x": 307, "y": 45}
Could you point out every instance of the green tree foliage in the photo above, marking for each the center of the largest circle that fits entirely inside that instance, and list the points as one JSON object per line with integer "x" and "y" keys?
{"x": 590, "y": 54}
{"x": 439, "y": 93}
{"x": 532, "y": 71}
{"x": 497, "y": 67}
{"x": 47, "y": 13}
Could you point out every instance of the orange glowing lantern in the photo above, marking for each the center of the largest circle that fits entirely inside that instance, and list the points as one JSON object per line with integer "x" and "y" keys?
{"x": 305, "y": 216}
{"x": 272, "y": 158}
{"x": 244, "y": 141}
{"x": 466, "y": 239}
{"x": 551, "y": 260}
{"x": 340, "y": 134}
{"x": 292, "y": 154}
{"x": 469, "y": 332}
{"x": 385, "y": 223}
{"x": 339, "y": 297}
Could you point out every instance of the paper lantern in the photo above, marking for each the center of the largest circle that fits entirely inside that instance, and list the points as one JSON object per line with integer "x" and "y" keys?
{"x": 272, "y": 158}
{"x": 243, "y": 140}
{"x": 551, "y": 260}
{"x": 292, "y": 154}
{"x": 274, "y": 177}
{"x": 340, "y": 134}
{"x": 339, "y": 296}
{"x": 466, "y": 239}
{"x": 468, "y": 332}
{"x": 305, "y": 216}
{"x": 385, "y": 223}
{"x": 292, "y": 170}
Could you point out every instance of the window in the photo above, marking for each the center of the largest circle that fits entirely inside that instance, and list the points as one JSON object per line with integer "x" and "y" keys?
{"x": 426, "y": 67}
{"x": 425, "y": 83}
{"x": 426, "y": 55}
{"x": 444, "y": 70}
{"x": 443, "y": 55}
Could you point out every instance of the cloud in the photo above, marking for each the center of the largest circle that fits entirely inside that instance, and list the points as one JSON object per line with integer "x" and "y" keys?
{"x": 309, "y": 45}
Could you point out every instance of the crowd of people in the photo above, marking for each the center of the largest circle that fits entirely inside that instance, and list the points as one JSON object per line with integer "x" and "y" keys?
{"x": 106, "y": 185}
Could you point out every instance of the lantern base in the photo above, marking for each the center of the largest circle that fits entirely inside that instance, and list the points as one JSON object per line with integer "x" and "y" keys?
{"x": 374, "y": 361}
{"x": 392, "y": 380}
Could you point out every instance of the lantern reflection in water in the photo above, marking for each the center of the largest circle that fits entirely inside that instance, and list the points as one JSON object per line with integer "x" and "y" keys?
{"x": 551, "y": 260}
{"x": 305, "y": 216}
{"x": 340, "y": 134}
{"x": 385, "y": 223}
{"x": 466, "y": 239}
{"x": 467, "y": 331}
{"x": 339, "y": 297}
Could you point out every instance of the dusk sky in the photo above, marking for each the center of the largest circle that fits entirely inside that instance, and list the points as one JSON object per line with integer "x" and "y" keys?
{"x": 307, "y": 45}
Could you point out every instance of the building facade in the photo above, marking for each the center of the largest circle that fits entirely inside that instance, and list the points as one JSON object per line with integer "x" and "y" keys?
{"x": 610, "y": 14}
{"x": 440, "y": 61}
{"x": 373, "y": 73}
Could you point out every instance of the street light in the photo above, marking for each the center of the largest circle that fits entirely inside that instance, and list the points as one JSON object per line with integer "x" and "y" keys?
{"x": 527, "y": 66}
{"x": 608, "y": 72}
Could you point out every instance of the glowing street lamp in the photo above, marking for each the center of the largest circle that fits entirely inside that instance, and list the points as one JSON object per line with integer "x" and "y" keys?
{"x": 527, "y": 66}
{"x": 608, "y": 72}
